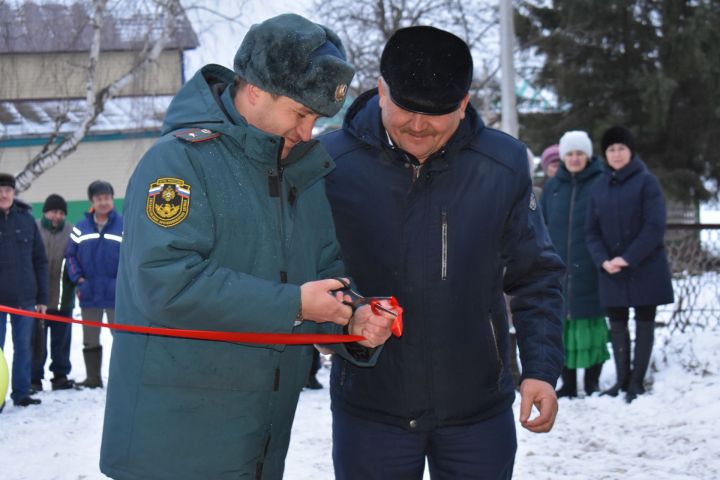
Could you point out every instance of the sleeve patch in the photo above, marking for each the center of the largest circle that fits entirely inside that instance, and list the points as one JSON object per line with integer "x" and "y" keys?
{"x": 533, "y": 201}
{"x": 168, "y": 201}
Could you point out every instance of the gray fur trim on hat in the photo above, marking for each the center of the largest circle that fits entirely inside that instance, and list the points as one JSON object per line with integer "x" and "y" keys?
{"x": 575, "y": 140}
{"x": 291, "y": 56}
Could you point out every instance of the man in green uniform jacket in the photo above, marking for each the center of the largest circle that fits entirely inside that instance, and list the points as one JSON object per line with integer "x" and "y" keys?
{"x": 227, "y": 228}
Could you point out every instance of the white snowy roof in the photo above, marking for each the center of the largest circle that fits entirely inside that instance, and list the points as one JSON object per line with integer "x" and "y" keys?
{"x": 30, "y": 119}
{"x": 54, "y": 27}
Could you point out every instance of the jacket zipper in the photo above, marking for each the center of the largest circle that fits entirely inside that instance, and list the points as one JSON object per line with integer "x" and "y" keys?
{"x": 62, "y": 277}
{"x": 443, "y": 266}
{"x": 283, "y": 253}
{"x": 343, "y": 372}
{"x": 259, "y": 465}
{"x": 573, "y": 191}
{"x": 497, "y": 349}
{"x": 416, "y": 171}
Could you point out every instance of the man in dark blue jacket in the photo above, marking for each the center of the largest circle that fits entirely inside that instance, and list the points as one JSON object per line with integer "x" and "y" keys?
{"x": 438, "y": 210}
{"x": 92, "y": 257}
{"x": 23, "y": 284}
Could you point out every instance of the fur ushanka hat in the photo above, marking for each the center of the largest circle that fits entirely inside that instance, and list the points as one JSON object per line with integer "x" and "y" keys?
{"x": 291, "y": 56}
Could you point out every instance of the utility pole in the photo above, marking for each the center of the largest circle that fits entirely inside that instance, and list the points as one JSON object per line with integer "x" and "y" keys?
{"x": 507, "y": 68}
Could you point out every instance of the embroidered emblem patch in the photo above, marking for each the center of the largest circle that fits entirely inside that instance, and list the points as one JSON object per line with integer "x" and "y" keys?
{"x": 340, "y": 92}
{"x": 168, "y": 201}
{"x": 533, "y": 201}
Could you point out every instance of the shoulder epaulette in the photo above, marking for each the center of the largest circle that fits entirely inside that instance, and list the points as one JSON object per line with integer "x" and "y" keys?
{"x": 194, "y": 135}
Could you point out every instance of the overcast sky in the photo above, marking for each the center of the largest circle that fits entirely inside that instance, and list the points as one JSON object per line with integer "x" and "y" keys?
{"x": 220, "y": 38}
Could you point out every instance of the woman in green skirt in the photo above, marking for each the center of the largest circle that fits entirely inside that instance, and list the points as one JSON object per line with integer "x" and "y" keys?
{"x": 564, "y": 204}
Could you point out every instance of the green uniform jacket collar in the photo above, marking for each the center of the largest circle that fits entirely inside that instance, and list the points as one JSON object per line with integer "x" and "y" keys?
{"x": 206, "y": 102}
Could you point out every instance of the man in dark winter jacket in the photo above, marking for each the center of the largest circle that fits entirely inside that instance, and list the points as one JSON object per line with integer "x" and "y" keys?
{"x": 437, "y": 209}
{"x": 92, "y": 257}
{"x": 55, "y": 232}
{"x": 229, "y": 229}
{"x": 23, "y": 283}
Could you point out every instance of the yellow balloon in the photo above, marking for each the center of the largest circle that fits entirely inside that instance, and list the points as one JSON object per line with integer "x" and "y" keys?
{"x": 3, "y": 377}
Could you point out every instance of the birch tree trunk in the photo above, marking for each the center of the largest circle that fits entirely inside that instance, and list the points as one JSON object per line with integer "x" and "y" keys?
{"x": 167, "y": 13}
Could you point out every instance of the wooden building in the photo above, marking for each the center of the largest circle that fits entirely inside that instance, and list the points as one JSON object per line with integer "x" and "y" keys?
{"x": 44, "y": 53}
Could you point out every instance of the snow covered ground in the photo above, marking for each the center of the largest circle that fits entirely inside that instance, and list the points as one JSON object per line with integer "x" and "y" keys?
{"x": 671, "y": 433}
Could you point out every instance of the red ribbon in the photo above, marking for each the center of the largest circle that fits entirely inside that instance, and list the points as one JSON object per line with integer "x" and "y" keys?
{"x": 397, "y": 325}
{"x": 238, "y": 337}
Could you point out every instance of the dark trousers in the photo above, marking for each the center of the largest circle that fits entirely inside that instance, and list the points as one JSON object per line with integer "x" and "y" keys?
{"x": 315, "y": 365}
{"x": 645, "y": 313}
{"x": 367, "y": 450}
{"x": 632, "y": 379}
{"x": 60, "y": 340}
{"x": 22, "y": 329}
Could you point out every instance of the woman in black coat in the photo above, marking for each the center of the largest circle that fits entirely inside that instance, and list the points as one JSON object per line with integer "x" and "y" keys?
{"x": 625, "y": 235}
{"x": 564, "y": 204}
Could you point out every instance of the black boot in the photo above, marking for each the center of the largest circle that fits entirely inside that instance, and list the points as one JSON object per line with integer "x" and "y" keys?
{"x": 93, "y": 366}
{"x": 569, "y": 387}
{"x": 620, "y": 339}
{"x": 64, "y": 383}
{"x": 592, "y": 379}
{"x": 313, "y": 383}
{"x": 644, "y": 339}
{"x": 27, "y": 401}
{"x": 35, "y": 387}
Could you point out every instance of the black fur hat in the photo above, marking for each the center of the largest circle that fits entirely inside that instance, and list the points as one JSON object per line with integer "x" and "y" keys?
{"x": 291, "y": 56}
{"x": 618, "y": 134}
{"x": 55, "y": 202}
{"x": 428, "y": 70}
{"x": 7, "y": 180}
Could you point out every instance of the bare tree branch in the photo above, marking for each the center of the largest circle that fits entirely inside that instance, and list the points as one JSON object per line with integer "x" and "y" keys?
{"x": 366, "y": 25}
{"x": 60, "y": 120}
{"x": 216, "y": 13}
{"x": 168, "y": 11}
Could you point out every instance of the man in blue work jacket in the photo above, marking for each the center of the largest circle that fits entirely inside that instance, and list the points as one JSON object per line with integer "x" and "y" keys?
{"x": 92, "y": 259}
{"x": 437, "y": 208}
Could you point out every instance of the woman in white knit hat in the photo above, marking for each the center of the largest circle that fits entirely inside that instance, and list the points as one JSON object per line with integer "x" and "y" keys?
{"x": 564, "y": 204}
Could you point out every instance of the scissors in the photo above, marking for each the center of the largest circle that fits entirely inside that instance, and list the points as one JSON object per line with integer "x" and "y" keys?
{"x": 358, "y": 301}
